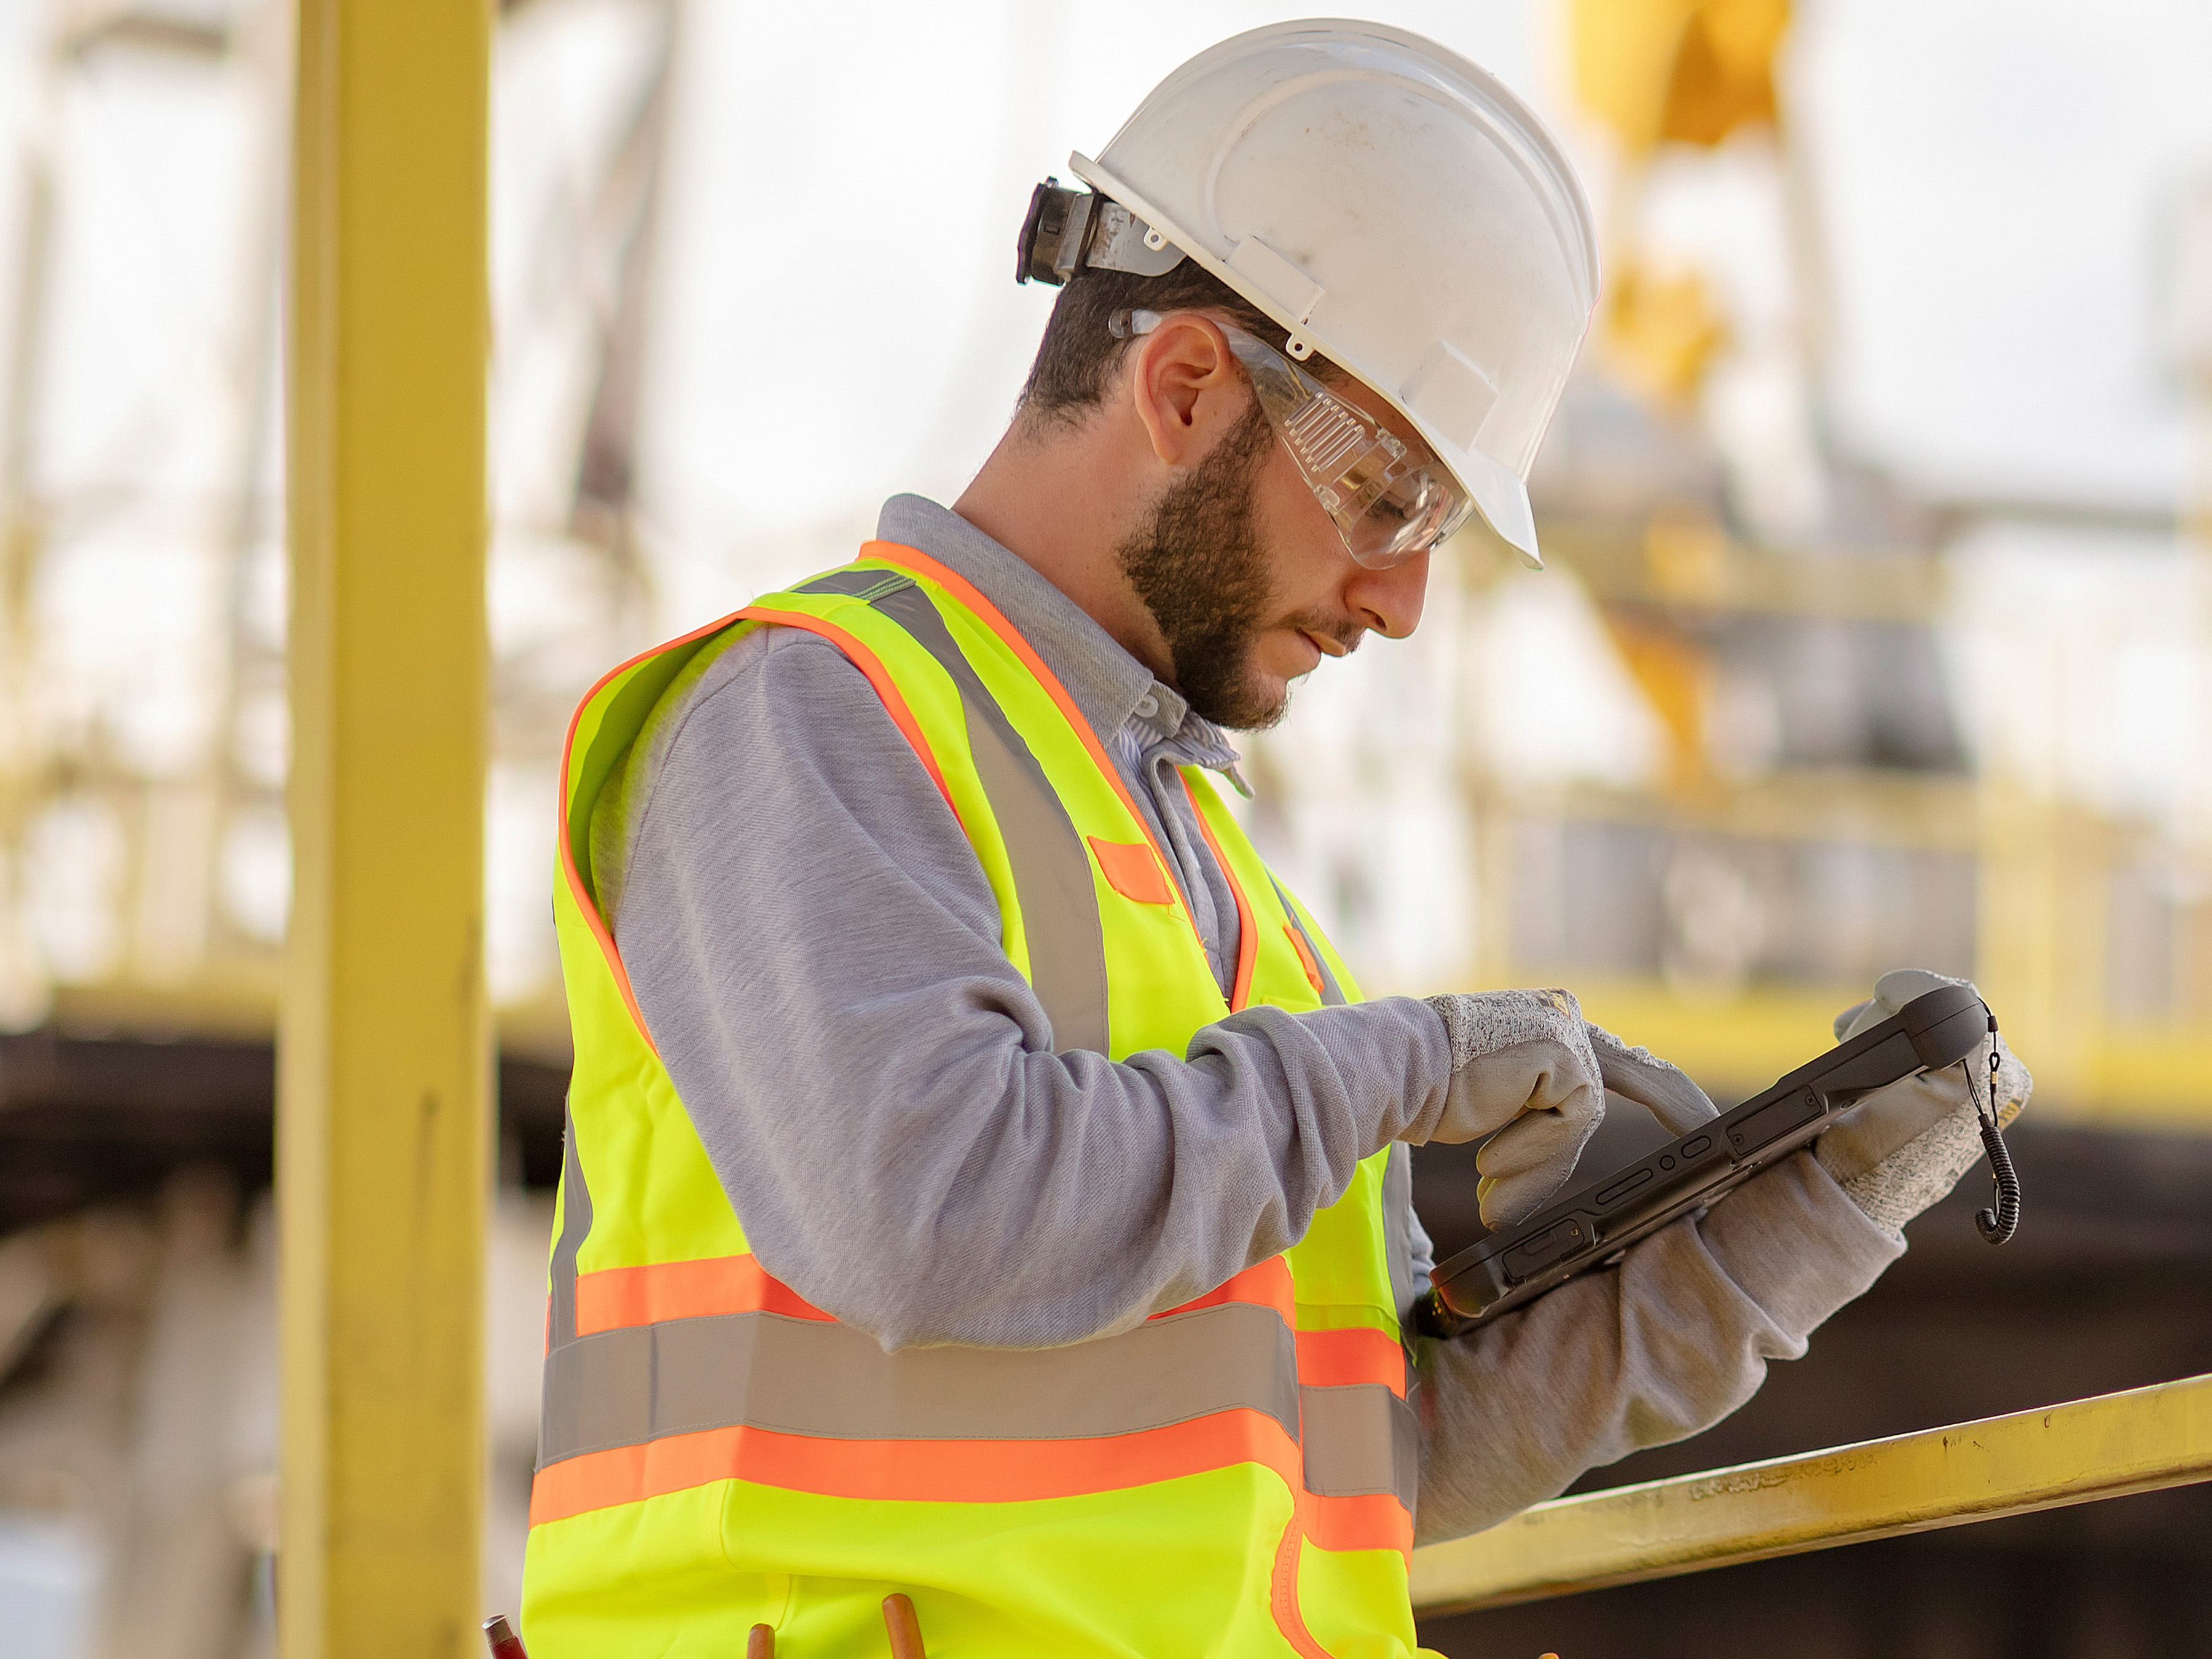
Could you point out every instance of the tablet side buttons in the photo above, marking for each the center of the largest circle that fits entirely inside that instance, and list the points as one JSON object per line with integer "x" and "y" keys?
{"x": 1524, "y": 1261}
{"x": 1627, "y": 1184}
{"x": 1772, "y": 1122}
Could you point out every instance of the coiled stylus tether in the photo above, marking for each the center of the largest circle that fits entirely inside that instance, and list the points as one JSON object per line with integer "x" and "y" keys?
{"x": 1999, "y": 1224}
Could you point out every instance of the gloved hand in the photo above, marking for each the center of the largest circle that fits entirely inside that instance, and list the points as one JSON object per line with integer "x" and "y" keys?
{"x": 1904, "y": 1147}
{"x": 1528, "y": 1066}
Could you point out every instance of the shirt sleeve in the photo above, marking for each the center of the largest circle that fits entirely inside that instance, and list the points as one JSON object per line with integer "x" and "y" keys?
{"x": 1664, "y": 1346}
{"x": 816, "y": 950}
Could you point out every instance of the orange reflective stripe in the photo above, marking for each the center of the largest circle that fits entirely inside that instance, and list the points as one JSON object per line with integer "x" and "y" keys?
{"x": 614, "y": 1297}
{"x": 1247, "y": 942}
{"x": 879, "y": 676}
{"x": 1307, "y": 960}
{"x": 1337, "y": 1359}
{"x": 1268, "y": 1283}
{"x": 1371, "y": 1521}
{"x": 912, "y": 1471}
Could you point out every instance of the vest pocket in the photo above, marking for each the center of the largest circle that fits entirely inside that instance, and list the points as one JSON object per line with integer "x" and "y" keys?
{"x": 1132, "y": 871}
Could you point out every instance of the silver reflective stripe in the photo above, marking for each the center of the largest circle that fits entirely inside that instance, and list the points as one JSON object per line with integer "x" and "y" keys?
{"x": 576, "y": 1223}
{"x": 1332, "y": 994}
{"x": 857, "y": 584}
{"x": 808, "y": 1376}
{"x": 1052, "y": 872}
{"x": 1360, "y": 1437}
{"x": 1397, "y": 1200}
{"x": 561, "y": 1300}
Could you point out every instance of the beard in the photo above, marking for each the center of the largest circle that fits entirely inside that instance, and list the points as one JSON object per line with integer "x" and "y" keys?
{"x": 1199, "y": 567}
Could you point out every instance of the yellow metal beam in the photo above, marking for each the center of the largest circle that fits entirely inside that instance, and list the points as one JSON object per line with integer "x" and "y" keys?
{"x": 1734, "y": 1046}
{"x": 2146, "y": 1076}
{"x": 1675, "y": 564}
{"x": 383, "y": 1073}
{"x": 1858, "y": 806}
{"x": 2105, "y": 1447}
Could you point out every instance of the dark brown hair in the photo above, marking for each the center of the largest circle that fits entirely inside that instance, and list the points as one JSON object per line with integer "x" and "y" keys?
{"x": 1078, "y": 354}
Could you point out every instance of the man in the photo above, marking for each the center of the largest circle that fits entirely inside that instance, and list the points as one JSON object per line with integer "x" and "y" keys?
{"x": 984, "y": 1184}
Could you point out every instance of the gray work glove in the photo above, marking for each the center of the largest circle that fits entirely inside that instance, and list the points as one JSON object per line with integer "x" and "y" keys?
{"x": 1904, "y": 1147}
{"x": 1531, "y": 1072}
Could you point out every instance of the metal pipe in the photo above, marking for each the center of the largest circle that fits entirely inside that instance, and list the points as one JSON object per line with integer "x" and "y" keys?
{"x": 2105, "y": 1447}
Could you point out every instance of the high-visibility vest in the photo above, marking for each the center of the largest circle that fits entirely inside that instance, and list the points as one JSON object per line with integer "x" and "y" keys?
{"x": 1235, "y": 1476}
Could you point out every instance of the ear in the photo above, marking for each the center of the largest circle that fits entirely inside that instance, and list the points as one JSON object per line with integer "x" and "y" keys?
{"x": 1186, "y": 387}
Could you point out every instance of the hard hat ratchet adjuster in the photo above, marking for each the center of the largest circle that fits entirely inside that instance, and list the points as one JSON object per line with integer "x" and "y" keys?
{"x": 1068, "y": 230}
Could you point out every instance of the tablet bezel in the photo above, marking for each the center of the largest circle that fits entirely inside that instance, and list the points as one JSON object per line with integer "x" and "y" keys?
{"x": 1591, "y": 1226}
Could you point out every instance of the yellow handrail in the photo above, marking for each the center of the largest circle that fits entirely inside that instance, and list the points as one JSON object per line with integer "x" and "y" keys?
{"x": 2105, "y": 1447}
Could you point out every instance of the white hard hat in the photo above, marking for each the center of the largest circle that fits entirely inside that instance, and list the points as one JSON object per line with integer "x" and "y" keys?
{"x": 1395, "y": 208}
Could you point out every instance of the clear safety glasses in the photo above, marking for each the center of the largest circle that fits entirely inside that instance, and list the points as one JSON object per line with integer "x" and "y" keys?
{"x": 1387, "y": 503}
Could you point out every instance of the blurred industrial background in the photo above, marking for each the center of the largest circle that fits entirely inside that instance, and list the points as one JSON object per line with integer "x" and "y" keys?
{"x": 1879, "y": 633}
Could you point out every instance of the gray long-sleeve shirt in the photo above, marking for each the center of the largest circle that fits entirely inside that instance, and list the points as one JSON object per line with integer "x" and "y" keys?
{"x": 815, "y": 950}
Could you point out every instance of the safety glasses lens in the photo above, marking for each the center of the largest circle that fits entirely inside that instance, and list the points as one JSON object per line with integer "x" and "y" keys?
{"x": 1388, "y": 504}
{"x": 1418, "y": 511}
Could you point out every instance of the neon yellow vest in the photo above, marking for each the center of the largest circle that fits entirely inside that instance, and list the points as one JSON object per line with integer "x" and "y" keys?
{"x": 1233, "y": 1477}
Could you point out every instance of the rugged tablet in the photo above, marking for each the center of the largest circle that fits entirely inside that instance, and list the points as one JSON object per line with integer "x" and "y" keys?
{"x": 1591, "y": 1227}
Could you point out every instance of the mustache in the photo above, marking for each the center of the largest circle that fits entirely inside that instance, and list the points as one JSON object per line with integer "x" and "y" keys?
{"x": 1329, "y": 625}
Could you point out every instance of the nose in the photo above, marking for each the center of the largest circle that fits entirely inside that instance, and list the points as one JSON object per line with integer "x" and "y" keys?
{"x": 1389, "y": 601}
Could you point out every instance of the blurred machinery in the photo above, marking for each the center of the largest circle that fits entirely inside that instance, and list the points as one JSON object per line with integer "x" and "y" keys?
{"x": 1803, "y": 799}
{"x": 1749, "y": 744}
{"x": 143, "y": 735}
{"x": 144, "y": 861}
{"x": 1817, "y": 810}
{"x": 1830, "y": 735}
{"x": 1822, "y": 808}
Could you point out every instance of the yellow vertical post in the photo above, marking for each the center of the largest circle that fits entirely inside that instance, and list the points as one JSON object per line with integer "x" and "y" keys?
{"x": 383, "y": 1058}
{"x": 2040, "y": 956}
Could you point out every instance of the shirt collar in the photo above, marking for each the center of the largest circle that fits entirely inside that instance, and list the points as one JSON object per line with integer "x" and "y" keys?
{"x": 1110, "y": 686}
